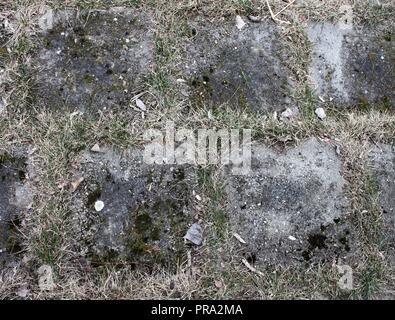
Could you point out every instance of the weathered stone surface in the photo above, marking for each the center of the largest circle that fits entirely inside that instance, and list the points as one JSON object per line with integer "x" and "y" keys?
{"x": 93, "y": 59}
{"x": 353, "y": 66}
{"x": 382, "y": 158}
{"x": 245, "y": 68}
{"x": 14, "y": 197}
{"x": 147, "y": 209}
{"x": 291, "y": 208}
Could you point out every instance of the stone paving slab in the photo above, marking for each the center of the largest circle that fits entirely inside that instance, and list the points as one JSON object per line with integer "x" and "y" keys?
{"x": 353, "y": 66}
{"x": 93, "y": 59}
{"x": 147, "y": 209}
{"x": 245, "y": 68}
{"x": 291, "y": 209}
{"x": 382, "y": 162}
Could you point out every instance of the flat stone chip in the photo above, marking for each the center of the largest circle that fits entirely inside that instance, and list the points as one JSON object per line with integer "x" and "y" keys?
{"x": 147, "y": 209}
{"x": 353, "y": 67}
{"x": 93, "y": 59}
{"x": 242, "y": 68}
{"x": 291, "y": 208}
{"x": 14, "y": 196}
{"x": 382, "y": 160}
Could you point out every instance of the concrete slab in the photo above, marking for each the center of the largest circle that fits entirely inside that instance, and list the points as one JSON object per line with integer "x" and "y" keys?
{"x": 147, "y": 209}
{"x": 292, "y": 209}
{"x": 93, "y": 59}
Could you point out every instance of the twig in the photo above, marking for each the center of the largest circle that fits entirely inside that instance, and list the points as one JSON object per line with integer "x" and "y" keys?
{"x": 273, "y": 15}
{"x": 285, "y": 8}
{"x": 251, "y": 268}
{"x": 190, "y": 272}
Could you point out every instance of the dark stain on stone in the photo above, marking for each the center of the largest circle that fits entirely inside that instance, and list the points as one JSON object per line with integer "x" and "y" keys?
{"x": 317, "y": 240}
{"x": 144, "y": 218}
{"x": 370, "y": 69}
{"x": 244, "y": 70}
{"x": 97, "y": 59}
{"x": 12, "y": 172}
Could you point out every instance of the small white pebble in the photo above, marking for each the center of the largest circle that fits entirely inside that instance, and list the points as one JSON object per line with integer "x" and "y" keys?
{"x": 240, "y": 24}
{"x": 99, "y": 205}
{"x": 320, "y": 113}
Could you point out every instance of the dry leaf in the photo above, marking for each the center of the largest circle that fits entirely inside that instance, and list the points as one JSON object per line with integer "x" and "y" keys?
{"x": 96, "y": 148}
{"x": 75, "y": 184}
{"x": 218, "y": 284}
{"x": 240, "y": 24}
{"x": 195, "y": 234}
{"x": 238, "y": 237}
{"x": 140, "y": 104}
{"x": 320, "y": 113}
{"x": 251, "y": 268}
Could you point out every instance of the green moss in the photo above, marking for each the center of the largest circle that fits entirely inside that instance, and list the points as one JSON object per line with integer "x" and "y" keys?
{"x": 383, "y": 104}
{"x": 5, "y": 157}
{"x": 387, "y": 35}
{"x": 141, "y": 235}
{"x": 202, "y": 90}
{"x": 149, "y": 176}
{"x": 142, "y": 222}
{"x": 88, "y": 78}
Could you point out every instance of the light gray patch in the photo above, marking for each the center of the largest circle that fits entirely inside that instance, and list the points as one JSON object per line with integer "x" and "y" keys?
{"x": 293, "y": 195}
{"x": 147, "y": 209}
{"x": 243, "y": 68}
{"x": 326, "y": 70}
{"x": 51, "y": 18}
{"x": 2, "y": 107}
{"x": 370, "y": 67}
{"x": 195, "y": 234}
{"x": 94, "y": 59}
{"x": 382, "y": 162}
{"x": 353, "y": 67}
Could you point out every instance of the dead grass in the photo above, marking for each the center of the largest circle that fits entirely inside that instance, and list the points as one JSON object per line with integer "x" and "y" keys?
{"x": 216, "y": 271}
